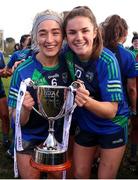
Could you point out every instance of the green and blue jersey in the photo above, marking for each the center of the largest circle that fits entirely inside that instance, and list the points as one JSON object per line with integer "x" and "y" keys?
{"x": 19, "y": 55}
{"x": 102, "y": 78}
{"x": 127, "y": 64}
{"x": 37, "y": 126}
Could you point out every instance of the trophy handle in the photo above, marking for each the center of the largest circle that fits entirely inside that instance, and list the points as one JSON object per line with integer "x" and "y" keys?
{"x": 37, "y": 111}
{"x": 43, "y": 114}
{"x": 61, "y": 114}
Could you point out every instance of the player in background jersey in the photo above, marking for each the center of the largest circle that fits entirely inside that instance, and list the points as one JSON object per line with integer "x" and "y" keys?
{"x": 102, "y": 114}
{"x": 115, "y": 30}
{"x": 134, "y": 118}
{"x": 23, "y": 53}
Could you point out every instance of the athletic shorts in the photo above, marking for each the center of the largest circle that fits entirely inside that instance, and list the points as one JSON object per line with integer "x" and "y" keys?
{"x": 73, "y": 128}
{"x": 28, "y": 147}
{"x": 106, "y": 141}
{"x": 2, "y": 91}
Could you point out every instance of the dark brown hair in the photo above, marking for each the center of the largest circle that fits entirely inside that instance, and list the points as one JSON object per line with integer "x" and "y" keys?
{"x": 23, "y": 39}
{"x": 135, "y": 36}
{"x": 114, "y": 27}
{"x": 85, "y": 11}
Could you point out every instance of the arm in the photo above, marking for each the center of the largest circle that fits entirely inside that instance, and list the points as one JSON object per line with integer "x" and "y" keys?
{"x": 1, "y": 72}
{"x": 12, "y": 60}
{"x": 12, "y": 112}
{"x": 27, "y": 106}
{"x": 10, "y": 71}
{"x": 2, "y": 62}
{"x": 132, "y": 93}
{"x": 101, "y": 109}
{"x": 13, "y": 96}
{"x": 4, "y": 73}
{"x": 16, "y": 64}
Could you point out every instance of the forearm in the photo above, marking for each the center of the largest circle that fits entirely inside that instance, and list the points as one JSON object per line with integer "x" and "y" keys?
{"x": 132, "y": 93}
{"x": 12, "y": 112}
{"x": 24, "y": 116}
{"x": 102, "y": 109}
{"x": 26, "y": 109}
{"x": 133, "y": 99}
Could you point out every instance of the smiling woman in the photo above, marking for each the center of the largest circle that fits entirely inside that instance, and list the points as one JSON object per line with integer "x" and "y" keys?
{"x": 101, "y": 116}
{"x": 47, "y": 68}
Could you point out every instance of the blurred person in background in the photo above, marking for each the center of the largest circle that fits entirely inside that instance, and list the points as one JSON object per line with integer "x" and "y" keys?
{"x": 134, "y": 47}
{"x": 134, "y": 119}
{"x": 23, "y": 53}
{"x": 115, "y": 31}
{"x": 4, "y": 113}
{"x": 16, "y": 47}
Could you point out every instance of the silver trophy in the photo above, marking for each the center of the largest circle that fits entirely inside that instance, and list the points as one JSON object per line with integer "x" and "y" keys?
{"x": 52, "y": 102}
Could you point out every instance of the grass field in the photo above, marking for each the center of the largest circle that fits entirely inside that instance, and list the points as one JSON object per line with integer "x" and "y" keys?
{"x": 6, "y": 164}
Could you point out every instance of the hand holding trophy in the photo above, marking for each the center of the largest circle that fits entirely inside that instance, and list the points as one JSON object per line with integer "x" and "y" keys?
{"x": 54, "y": 103}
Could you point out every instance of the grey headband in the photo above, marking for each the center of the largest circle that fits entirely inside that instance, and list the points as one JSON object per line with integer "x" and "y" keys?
{"x": 46, "y": 15}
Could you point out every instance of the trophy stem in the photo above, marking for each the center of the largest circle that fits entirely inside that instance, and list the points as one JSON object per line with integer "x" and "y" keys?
{"x": 51, "y": 126}
{"x": 51, "y": 143}
{"x": 51, "y": 130}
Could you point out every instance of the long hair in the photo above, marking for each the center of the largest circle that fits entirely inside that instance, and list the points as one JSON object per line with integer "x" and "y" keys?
{"x": 85, "y": 11}
{"x": 114, "y": 27}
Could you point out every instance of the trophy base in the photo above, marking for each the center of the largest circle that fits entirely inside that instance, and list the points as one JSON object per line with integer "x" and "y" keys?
{"x": 51, "y": 168}
{"x": 50, "y": 157}
{"x": 50, "y": 160}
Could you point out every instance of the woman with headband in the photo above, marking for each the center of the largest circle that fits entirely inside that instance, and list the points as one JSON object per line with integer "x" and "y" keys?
{"x": 45, "y": 66}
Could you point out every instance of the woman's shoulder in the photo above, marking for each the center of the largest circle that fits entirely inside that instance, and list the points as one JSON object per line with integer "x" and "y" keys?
{"x": 126, "y": 53}
{"x": 107, "y": 56}
{"x": 27, "y": 64}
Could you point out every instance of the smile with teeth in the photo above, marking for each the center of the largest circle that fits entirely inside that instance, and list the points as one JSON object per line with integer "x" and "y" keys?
{"x": 50, "y": 46}
{"x": 80, "y": 45}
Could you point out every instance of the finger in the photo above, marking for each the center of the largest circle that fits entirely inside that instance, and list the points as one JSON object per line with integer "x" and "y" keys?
{"x": 81, "y": 99}
{"x": 78, "y": 103}
{"x": 80, "y": 81}
{"x": 82, "y": 91}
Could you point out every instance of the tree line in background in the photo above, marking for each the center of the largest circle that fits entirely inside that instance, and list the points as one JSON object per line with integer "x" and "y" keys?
{"x": 9, "y": 44}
